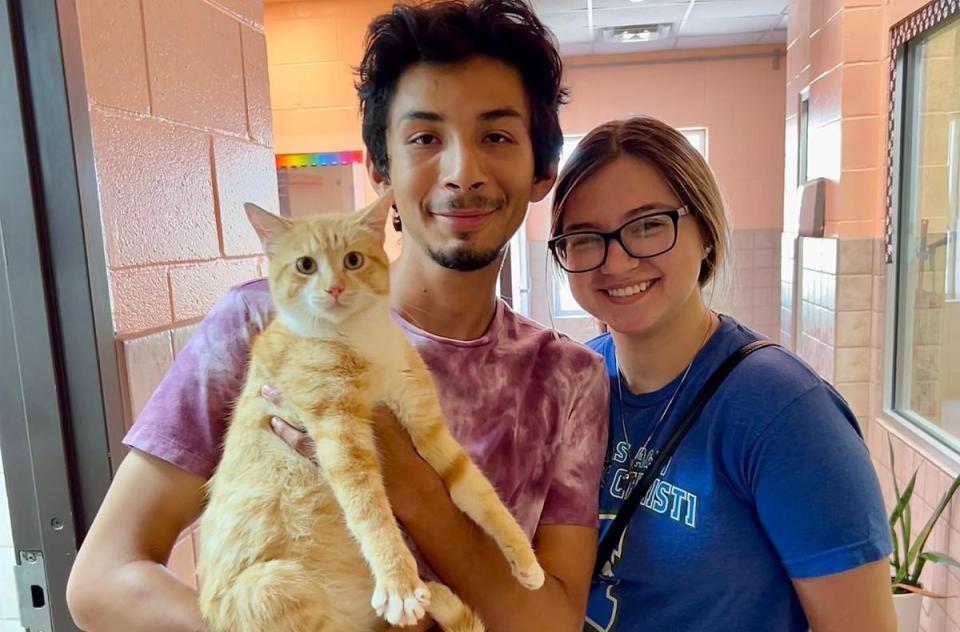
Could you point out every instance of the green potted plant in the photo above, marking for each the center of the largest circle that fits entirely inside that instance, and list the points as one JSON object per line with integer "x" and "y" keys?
{"x": 909, "y": 552}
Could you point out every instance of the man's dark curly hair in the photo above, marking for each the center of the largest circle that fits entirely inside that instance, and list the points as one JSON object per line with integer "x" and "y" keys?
{"x": 451, "y": 31}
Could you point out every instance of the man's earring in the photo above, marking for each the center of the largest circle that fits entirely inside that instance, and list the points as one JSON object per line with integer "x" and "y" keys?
{"x": 397, "y": 226}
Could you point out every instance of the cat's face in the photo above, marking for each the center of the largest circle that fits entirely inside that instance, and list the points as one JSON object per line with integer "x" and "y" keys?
{"x": 330, "y": 268}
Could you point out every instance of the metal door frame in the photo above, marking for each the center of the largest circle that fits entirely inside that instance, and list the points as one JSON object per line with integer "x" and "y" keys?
{"x": 59, "y": 390}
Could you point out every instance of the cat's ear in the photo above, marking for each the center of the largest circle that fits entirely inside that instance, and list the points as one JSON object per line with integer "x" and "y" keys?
{"x": 374, "y": 216}
{"x": 270, "y": 228}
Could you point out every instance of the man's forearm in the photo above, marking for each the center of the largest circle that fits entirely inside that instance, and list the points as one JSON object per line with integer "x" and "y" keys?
{"x": 142, "y": 596}
{"x": 469, "y": 561}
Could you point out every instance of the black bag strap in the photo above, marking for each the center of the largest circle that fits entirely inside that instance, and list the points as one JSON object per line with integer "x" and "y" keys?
{"x": 630, "y": 505}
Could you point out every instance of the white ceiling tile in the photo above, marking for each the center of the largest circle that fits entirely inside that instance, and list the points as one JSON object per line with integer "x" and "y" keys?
{"x": 566, "y": 20}
{"x": 573, "y": 35}
{"x": 705, "y": 10}
{"x": 723, "y": 26}
{"x": 626, "y": 4}
{"x": 574, "y": 50}
{"x": 639, "y": 15}
{"x": 711, "y": 23}
{"x": 553, "y": 6}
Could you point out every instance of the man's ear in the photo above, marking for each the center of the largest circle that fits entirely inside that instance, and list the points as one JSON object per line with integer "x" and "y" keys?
{"x": 543, "y": 186}
{"x": 380, "y": 181}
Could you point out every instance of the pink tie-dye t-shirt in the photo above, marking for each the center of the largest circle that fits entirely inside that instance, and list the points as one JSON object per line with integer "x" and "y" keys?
{"x": 529, "y": 407}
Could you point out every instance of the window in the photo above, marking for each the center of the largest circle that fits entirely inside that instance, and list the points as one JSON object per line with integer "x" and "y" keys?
{"x": 697, "y": 137}
{"x": 517, "y": 260}
{"x": 926, "y": 376}
{"x": 953, "y": 205}
{"x": 564, "y": 305}
{"x": 803, "y": 137}
{"x": 562, "y": 302}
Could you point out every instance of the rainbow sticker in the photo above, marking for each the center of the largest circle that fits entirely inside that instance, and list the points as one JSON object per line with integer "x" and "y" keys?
{"x": 332, "y": 159}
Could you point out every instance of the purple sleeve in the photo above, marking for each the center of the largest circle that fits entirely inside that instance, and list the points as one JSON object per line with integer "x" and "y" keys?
{"x": 186, "y": 418}
{"x": 573, "y": 498}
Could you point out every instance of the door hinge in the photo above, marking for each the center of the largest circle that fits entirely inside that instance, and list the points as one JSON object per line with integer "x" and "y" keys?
{"x": 31, "y": 576}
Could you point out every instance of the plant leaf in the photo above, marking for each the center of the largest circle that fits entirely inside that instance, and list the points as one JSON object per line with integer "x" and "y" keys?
{"x": 906, "y": 526}
{"x": 903, "y": 515}
{"x": 893, "y": 467}
{"x": 895, "y": 557}
{"x": 917, "y": 547}
{"x": 896, "y": 513}
{"x": 903, "y": 501}
{"x": 939, "y": 558}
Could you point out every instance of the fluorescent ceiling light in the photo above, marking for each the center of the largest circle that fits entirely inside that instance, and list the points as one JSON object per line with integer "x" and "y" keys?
{"x": 636, "y": 33}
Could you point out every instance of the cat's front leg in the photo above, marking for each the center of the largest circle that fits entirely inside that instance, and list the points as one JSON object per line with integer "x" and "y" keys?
{"x": 347, "y": 456}
{"x": 417, "y": 407}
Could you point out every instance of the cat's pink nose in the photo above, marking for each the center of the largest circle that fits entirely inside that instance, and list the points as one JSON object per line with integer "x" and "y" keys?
{"x": 335, "y": 291}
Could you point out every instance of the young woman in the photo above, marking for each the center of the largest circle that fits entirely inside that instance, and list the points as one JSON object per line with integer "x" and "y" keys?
{"x": 769, "y": 516}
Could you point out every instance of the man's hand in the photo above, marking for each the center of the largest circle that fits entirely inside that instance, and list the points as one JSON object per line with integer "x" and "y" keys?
{"x": 405, "y": 473}
{"x": 296, "y": 439}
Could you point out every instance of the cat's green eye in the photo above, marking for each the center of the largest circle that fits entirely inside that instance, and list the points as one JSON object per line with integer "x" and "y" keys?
{"x": 306, "y": 265}
{"x": 353, "y": 260}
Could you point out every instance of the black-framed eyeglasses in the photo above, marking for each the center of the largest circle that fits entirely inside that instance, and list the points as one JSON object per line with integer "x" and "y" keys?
{"x": 642, "y": 237}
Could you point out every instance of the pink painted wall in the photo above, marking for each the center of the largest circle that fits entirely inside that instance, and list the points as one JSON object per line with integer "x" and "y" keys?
{"x": 839, "y": 50}
{"x": 736, "y": 93}
{"x": 182, "y": 135}
{"x": 313, "y": 46}
{"x": 180, "y": 112}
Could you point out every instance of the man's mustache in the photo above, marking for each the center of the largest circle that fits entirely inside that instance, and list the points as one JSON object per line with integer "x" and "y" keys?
{"x": 469, "y": 201}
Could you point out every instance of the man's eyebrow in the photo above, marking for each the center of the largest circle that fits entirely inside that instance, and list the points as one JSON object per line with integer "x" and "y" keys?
{"x": 491, "y": 115}
{"x": 422, "y": 115}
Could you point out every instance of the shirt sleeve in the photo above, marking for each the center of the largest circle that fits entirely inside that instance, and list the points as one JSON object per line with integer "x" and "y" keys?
{"x": 573, "y": 497}
{"x": 815, "y": 488}
{"x": 185, "y": 419}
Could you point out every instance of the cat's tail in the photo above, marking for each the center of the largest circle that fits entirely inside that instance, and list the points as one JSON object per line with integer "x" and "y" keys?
{"x": 450, "y": 613}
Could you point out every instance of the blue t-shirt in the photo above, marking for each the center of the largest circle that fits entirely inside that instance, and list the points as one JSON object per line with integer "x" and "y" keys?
{"x": 773, "y": 483}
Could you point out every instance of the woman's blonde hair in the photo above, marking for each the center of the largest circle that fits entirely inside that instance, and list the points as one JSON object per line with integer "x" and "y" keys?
{"x": 681, "y": 165}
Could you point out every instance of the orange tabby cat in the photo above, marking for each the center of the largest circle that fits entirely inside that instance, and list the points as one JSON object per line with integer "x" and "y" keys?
{"x": 288, "y": 545}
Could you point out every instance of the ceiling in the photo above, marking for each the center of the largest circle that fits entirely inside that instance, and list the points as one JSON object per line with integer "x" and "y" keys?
{"x": 579, "y": 24}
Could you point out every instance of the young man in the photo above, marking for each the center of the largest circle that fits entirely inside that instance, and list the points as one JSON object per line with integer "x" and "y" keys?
{"x": 459, "y": 107}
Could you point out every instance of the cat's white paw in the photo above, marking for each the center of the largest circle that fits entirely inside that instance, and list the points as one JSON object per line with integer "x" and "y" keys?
{"x": 401, "y": 603}
{"x": 531, "y": 576}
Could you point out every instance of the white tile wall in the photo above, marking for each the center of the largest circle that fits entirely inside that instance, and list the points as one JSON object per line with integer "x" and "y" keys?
{"x": 787, "y": 307}
{"x": 9, "y": 605}
{"x": 817, "y": 327}
{"x": 749, "y": 287}
{"x": 838, "y": 325}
